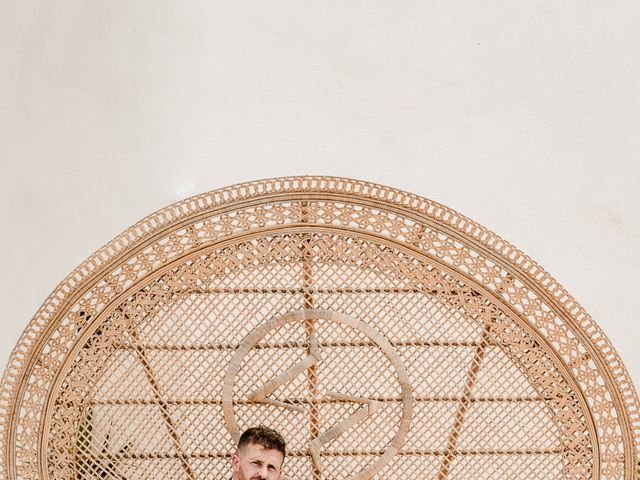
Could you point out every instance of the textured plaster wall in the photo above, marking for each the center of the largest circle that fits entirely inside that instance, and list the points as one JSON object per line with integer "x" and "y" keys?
{"x": 524, "y": 116}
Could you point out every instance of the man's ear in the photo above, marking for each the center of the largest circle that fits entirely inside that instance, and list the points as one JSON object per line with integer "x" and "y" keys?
{"x": 235, "y": 462}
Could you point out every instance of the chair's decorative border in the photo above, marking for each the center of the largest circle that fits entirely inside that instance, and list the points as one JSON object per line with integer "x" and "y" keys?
{"x": 457, "y": 225}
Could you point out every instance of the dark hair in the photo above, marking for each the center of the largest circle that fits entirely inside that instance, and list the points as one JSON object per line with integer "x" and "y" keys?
{"x": 265, "y": 436}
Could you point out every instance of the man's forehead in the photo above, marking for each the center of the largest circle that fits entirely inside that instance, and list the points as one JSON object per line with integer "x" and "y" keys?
{"x": 260, "y": 451}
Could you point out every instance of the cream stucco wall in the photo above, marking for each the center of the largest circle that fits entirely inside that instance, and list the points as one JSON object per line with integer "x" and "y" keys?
{"x": 524, "y": 116}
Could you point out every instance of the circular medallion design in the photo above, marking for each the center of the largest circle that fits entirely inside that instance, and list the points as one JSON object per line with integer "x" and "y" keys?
{"x": 314, "y": 360}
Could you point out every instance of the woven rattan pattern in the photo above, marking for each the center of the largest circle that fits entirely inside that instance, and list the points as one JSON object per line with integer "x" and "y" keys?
{"x": 121, "y": 371}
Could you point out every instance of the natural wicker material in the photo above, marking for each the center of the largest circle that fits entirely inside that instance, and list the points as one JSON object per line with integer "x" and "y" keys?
{"x": 383, "y": 334}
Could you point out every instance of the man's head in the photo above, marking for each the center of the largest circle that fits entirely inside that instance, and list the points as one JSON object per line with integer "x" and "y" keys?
{"x": 260, "y": 455}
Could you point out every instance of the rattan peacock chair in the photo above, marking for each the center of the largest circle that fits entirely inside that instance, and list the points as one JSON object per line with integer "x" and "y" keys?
{"x": 384, "y": 335}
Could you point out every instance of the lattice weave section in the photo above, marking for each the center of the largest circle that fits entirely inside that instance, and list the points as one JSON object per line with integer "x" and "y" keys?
{"x": 380, "y": 340}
